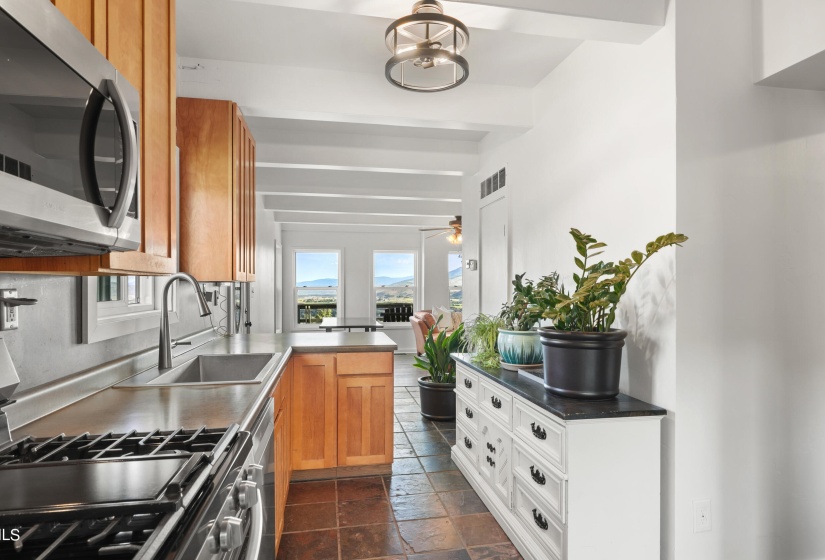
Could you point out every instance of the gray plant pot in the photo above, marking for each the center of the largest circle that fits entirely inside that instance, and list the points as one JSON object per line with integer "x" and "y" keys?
{"x": 582, "y": 365}
{"x": 437, "y": 399}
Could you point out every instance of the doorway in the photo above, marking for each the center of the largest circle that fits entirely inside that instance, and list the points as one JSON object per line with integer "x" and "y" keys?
{"x": 494, "y": 277}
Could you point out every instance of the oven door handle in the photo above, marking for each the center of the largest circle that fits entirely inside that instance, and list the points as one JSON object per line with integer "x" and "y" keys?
{"x": 257, "y": 531}
{"x": 128, "y": 179}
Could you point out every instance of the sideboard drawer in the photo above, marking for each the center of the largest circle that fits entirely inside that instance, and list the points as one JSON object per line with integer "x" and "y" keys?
{"x": 466, "y": 382}
{"x": 466, "y": 411}
{"x": 467, "y": 443}
{"x": 497, "y": 402}
{"x": 542, "y": 525}
{"x": 546, "y": 482}
{"x": 541, "y": 433}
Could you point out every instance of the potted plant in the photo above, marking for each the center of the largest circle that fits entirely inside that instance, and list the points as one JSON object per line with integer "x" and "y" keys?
{"x": 518, "y": 340}
{"x": 436, "y": 389}
{"x": 582, "y": 352}
{"x": 482, "y": 335}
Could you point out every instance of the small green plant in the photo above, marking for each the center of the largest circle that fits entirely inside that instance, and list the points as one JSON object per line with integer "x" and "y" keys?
{"x": 523, "y": 312}
{"x": 482, "y": 334}
{"x": 599, "y": 286}
{"x": 437, "y": 350}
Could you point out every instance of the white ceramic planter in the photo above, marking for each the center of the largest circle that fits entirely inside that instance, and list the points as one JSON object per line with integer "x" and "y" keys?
{"x": 519, "y": 349}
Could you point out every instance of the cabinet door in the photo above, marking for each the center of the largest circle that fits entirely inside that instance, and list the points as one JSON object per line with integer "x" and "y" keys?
{"x": 365, "y": 405}
{"x": 314, "y": 411}
{"x": 138, "y": 38}
{"x": 494, "y": 457}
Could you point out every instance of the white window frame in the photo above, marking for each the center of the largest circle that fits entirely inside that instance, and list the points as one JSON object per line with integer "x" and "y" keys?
{"x": 340, "y": 289}
{"x": 416, "y": 285}
{"x": 111, "y": 319}
{"x": 449, "y": 288}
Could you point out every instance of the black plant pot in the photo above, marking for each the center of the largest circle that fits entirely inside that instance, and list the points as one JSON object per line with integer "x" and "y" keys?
{"x": 437, "y": 399}
{"x": 582, "y": 365}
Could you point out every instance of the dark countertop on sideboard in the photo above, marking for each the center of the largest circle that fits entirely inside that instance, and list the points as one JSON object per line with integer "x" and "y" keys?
{"x": 567, "y": 409}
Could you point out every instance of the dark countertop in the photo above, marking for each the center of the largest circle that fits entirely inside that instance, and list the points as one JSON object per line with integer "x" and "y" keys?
{"x": 565, "y": 408}
{"x": 144, "y": 408}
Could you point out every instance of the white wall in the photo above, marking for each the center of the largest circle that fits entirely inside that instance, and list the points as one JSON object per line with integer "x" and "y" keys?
{"x": 356, "y": 252}
{"x": 791, "y": 31}
{"x": 262, "y": 308}
{"x": 601, "y": 157}
{"x": 436, "y": 270}
{"x": 750, "y": 430}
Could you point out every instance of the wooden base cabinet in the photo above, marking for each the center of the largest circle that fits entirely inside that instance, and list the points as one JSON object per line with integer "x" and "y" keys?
{"x": 365, "y": 419}
{"x": 577, "y": 490}
{"x": 314, "y": 411}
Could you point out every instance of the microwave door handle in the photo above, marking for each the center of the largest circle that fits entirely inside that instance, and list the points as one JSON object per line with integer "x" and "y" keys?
{"x": 128, "y": 178}
{"x": 88, "y": 129}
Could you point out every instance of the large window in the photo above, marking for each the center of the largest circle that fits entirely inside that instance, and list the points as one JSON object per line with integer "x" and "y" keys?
{"x": 317, "y": 286}
{"x": 456, "y": 277}
{"x": 393, "y": 285}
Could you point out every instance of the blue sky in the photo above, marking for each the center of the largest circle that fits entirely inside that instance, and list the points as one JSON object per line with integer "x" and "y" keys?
{"x": 394, "y": 265}
{"x": 313, "y": 266}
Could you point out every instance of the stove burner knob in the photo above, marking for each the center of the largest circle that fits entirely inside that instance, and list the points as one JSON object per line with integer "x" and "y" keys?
{"x": 229, "y": 535}
{"x": 255, "y": 473}
{"x": 247, "y": 494}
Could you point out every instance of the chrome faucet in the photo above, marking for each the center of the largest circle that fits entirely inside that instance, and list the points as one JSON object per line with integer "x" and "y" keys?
{"x": 165, "y": 345}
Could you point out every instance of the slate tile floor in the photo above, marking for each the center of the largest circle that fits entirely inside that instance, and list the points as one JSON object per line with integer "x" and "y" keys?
{"x": 426, "y": 510}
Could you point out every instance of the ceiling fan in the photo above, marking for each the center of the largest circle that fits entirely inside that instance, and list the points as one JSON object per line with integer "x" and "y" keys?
{"x": 454, "y": 229}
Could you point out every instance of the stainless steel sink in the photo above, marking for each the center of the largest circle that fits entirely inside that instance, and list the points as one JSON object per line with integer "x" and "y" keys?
{"x": 219, "y": 369}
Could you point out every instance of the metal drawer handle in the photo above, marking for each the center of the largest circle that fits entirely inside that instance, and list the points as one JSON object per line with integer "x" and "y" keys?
{"x": 490, "y": 461}
{"x": 468, "y": 383}
{"x": 467, "y": 443}
{"x": 537, "y": 476}
{"x": 490, "y": 447}
{"x": 496, "y": 402}
{"x": 468, "y": 412}
{"x": 540, "y": 521}
{"x": 538, "y": 431}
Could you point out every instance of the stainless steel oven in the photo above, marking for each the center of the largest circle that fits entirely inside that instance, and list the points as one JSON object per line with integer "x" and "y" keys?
{"x": 69, "y": 140}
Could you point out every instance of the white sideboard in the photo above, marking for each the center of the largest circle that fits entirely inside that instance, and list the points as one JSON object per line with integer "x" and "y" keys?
{"x": 565, "y": 479}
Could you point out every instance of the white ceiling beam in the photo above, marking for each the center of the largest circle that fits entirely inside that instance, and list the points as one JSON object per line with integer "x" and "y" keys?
{"x": 264, "y": 90}
{"x": 357, "y": 192}
{"x": 362, "y": 206}
{"x": 619, "y": 21}
{"x": 350, "y": 228}
{"x": 273, "y": 179}
{"x": 359, "y": 219}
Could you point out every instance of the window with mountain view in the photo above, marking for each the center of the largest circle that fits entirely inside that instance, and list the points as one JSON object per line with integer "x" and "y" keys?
{"x": 456, "y": 277}
{"x": 317, "y": 289}
{"x": 394, "y": 286}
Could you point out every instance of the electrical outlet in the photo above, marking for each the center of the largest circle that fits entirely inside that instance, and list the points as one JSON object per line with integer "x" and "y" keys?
{"x": 701, "y": 516}
{"x": 8, "y": 313}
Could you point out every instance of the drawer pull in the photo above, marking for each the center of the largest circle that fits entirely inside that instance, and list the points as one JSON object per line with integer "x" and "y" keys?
{"x": 537, "y": 476}
{"x": 468, "y": 412}
{"x": 496, "y": 402}
{"x": 490, "y": 461}
{"x": 538, "y": 431}
{"x": 467, "y": 443}
{"x": 468, "y": 383}
{"x": 490, "y": 447}
{"x": 540, "y": 520}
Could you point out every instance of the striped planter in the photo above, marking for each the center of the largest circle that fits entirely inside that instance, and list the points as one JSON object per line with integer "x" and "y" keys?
{"x": 519, "y": 348}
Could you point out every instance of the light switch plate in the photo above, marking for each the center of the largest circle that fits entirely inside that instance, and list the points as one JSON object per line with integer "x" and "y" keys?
{"x": 8, "y": 313}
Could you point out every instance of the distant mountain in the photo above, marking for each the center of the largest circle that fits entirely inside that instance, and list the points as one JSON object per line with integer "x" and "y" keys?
{"x": 320, "y": 283}
{"x": 455, "y": 273}
{"x": 393, "y": 281}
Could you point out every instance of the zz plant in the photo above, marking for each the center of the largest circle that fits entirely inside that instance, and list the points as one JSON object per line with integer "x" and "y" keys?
{"x": 437, "y": 350}
{"x": 599, "y": 286}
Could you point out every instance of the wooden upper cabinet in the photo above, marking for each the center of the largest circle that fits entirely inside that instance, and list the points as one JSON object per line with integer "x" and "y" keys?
{"x": 314, "y": 415}
{"x": 217, "y": 191}
{"x": 138, "y": 38}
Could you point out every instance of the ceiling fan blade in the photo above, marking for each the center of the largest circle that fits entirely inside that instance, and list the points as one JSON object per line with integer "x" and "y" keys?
{"x": 435, "y": 229}
{"x": 437, "y": 234}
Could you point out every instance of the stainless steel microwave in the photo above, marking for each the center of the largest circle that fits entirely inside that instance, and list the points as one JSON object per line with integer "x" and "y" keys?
{"x": 69, "y": 140}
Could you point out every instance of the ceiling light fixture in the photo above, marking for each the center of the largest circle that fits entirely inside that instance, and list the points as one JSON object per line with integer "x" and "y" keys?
{"x": 455, "y": 238}
{"x": 426, "y": 49}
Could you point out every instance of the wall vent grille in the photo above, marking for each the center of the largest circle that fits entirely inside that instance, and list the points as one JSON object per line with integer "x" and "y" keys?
{"x": 494, "y": 182}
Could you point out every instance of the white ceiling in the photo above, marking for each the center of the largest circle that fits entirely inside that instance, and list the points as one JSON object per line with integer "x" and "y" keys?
{"x": 338, "y": 146}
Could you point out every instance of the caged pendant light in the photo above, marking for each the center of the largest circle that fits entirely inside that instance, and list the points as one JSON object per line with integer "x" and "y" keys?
{"x": 426, "y": 49}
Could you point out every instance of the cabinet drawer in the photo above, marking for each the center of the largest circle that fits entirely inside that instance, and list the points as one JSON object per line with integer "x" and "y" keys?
{"x": 466, "y": 411}
{"x": 542, "y": 526}
{"x": 467, "y": 383}
{"x": 360, "y": 363}
{"x": 540, "y": 433}
{"x": 467, "y": 443}
{"x": 497, "y": 402}
{"x": 545, "y": 481}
